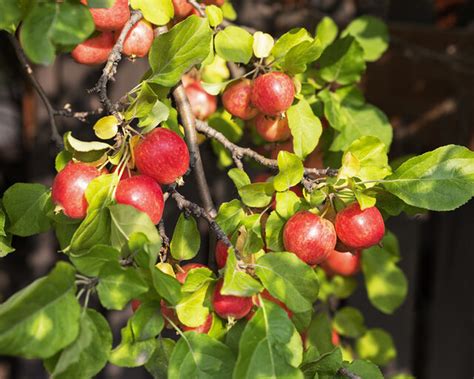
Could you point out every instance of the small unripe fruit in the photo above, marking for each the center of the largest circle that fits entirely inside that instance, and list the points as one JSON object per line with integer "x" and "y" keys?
{"x": 360, "y": 229}
{"x": 95, "y": 50}
{"x": 230, "y": 306}
{"x": 182, "y": 9}
{"x": 69, "y": 187}
{"x": 202, "y": 104}
{"x": 162, "y": 155}
{"x": 139, "y": 40}
{"x": 272, "y": 129}
{"x": 237, "y": 99}
{"x": 204, "y": 328}
{"x": 309, "y": 236}
{"x": 273, "y": 93}
{"x": 110, "y": 19}
{"x": 341, "y": 263}
{"x": 143, "y": 193}
{"x": 182, "y": 275}
{"x": 222, "y": 252}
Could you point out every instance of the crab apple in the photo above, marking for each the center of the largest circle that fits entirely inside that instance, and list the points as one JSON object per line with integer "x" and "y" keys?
{"x": 341, "y": 263}
{"x": 182, "y": 9}
{"x": 309, "y": 236}
{"x": 143, "y": 193}
{"x": 359, "y": 229}
{"x": 204, "y": 328}
{"x": 95, "y": 50}
{"x": 162, "y": 155}
{"x": 272, "y": 129}
{"x": 139, "y": 40}
{"x": 182, "y": 275}
{"x": 236, "y": 99}
{"x": 69, "y": 187}
{"x": 230, "y": 306}
{"x": 335, "y": 339}
{"x": 110, "y": 19}
{"x": 267, "y": 296}
{"x": 273, "y": 93}
{"x": 202, "y": 103}
{"x": 222, "y": 252}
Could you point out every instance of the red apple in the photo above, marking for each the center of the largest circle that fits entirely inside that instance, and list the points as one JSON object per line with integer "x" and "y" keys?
{"x": 204, "y": 328}
{"x": 309, "y": 236}
{"x": 230, "y": 306}
{"x": 236, "y": 99}
{"x": 169, "y": 313}
{"x": 272, "y": 129}
{"x": 222, "y": 251}
{"x": 182, "y": 275}
{"x": 336, "y": 341}
{"x": 267, "y": 296}
{"x": 202, "y": 103}
{"x": 182, "y": 9}
{"x": 126, "y": 173}
{"x": 95, "y": 50}
{"x": 143, "y": 193}
{"x": 139, "y": 40}
{"x": 273, "y": 93}
{"x": 359, "y": 229}
{"x": 69, "y": 187}
{"x": 110, "y": 19}
{"x": 135, "y": 304}
{"x": 162, "y": 155}
{"x": 341, "y": 263}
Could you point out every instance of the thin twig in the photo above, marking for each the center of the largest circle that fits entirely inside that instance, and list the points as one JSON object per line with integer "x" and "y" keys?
{"x": 201, "y": 8}
{"x": 165, "y": 240}
{"x": 81, "y": 116}
{"x": 240, "y": 152}
{"x": 55, "y": 136}
{"x": 111, "y": 66}
{"x": 348, "y": 374}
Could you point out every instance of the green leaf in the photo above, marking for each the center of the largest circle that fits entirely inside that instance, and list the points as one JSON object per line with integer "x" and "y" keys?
{"x": 88, "y": 354}
{"x": 62, "y": 159}
{"x": 126, "y": 220}
{"x": 349, "y": 322}
{"x": 158, "y": 114}
{"x": 234, "y": 44}
{"x": 100, "y": 190}
{"x": 257, "y": 195}
{"x": 287, "y": 204}
{"x": 274, "y": 232}
{"x": 118, "y": 285}
{"x": 319, "y": 333}
{"x": 93, "y": 230}
{"x": 377, "y": 346}
{"x": 252, "y": 234}
{"x": 439, "y": 180}
{"x": 27, "y": 206}
{"x": 200, "y": 356}
{"x": 11, "y": 13}
{"x": 288, "y": 279}
{"x": 328, "y": 363}
{"x": 85, "y": 151}
{"x": 158, "y": 363}
{"x": 305, "y": 128}
{"x": 371, "y": 33}
{"x": 343, "y": 286}
{"x": 262, "y": 44}
{"x": 288, "y": 40}
{"x": 175, "y": 52}
{"x": 197, "y": 278}
{"x": 326, "y": 31}
{"x": 144, "y": 101}
{"x": 236, "y": 281}
{"x": 6, "y": 245}
{"x": 214, "y": 15}
{"x": 106, "y": 127}
{"x": 42, "y": 318}
{"x": 239, "y": 177}
{"x": 191, "y": 310}
{"x": 291, "y": 171}
{"x": 100, "y": 3}
{"x": 364, "y": 369}
{"x": 342, "y": 61}
{"x": 299, "y": 56}
{"x": 386, "y": 284}
{"x": 91, "y": 263}
{"x": 270, "y": 346}
{"x": 158, "y": 12}
{"x": 186, "y": 239}
{"x": 166, "y": 286}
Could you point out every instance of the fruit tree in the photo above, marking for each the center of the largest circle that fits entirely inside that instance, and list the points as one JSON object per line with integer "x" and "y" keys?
{"x": 289, "y": 244}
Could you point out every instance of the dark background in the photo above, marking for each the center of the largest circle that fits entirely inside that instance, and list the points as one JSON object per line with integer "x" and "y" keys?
{"x": 425, "y": 85}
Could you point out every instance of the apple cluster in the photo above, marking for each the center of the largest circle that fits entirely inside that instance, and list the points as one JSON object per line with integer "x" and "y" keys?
{"x": 160, "y": 158}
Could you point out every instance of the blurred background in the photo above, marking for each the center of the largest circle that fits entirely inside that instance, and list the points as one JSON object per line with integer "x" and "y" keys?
{"x": 424, "y": 83}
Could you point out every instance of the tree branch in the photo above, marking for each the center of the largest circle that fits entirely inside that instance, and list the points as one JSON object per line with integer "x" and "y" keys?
{"x": 55, "y": 136}
{"x": 81, "y": 116}
{"x": 348, "y": 374}
{"x": 239, "y": 152}
{"x": 111, "y": 66}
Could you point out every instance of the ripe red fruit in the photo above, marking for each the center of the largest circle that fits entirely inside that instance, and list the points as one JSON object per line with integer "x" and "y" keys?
{"x": 143, "y": 193}
{"x": 222, "y": 252}
{"x": 182, "y": 9}
{"x": 139, "y": 39}
{"x": 69, "y": 187}
{"x": 309, "y": 236}
{"x": 236, "y": 99}
{"x": 359, "y": 229}
{"x": 272, "y": 129}
{"x": 204, "y": 328}
{"x": 336, "y": 341}
{"x": 135, "y": 304}
{"x": 202, "y": 103}
{"x": 162, "y": 155}
{"x": 266, "y": 295}
{"x": 182, "y": 275}
{"x": 230, "y": 306}
{"x": 110, "y": 19}
{"x": 341, "y": 263}
{"x": 169, "y": 313}
{"x": 95, "y": 50}
{"x": 273, "y": 93}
